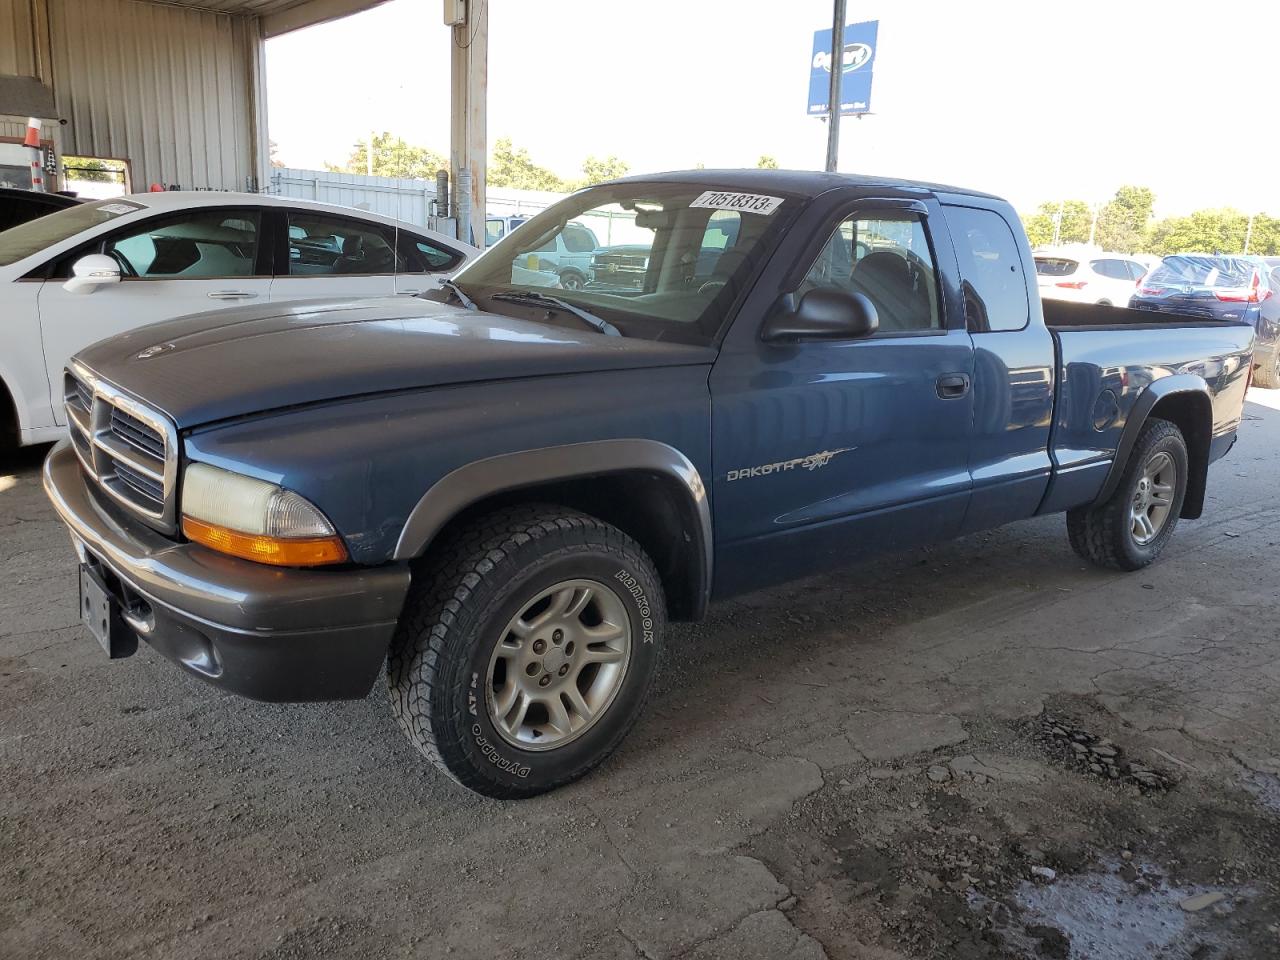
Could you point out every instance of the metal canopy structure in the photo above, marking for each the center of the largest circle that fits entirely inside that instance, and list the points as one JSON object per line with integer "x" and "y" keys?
{"x": 177, "y": 87}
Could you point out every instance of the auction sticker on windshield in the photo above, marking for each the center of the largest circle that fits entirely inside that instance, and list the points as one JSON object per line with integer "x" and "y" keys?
{"x": 742, "y": 202}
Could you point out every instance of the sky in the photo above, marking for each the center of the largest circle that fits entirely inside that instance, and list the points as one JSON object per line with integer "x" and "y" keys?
{"x": 1031, "y": 101}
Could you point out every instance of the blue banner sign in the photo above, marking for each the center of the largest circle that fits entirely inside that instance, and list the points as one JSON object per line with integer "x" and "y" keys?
{"x": 858, "y": 60}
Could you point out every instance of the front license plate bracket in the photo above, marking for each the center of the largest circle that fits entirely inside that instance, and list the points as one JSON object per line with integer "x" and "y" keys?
{"x": 100, "y": 612}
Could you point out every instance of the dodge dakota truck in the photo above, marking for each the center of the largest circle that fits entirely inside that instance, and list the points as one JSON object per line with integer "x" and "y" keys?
{"x": 503, "y": 492}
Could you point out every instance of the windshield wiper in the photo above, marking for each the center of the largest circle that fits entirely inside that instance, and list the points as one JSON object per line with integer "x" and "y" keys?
{"x": 541, "y": 299}
{"x": 457, "y": 292}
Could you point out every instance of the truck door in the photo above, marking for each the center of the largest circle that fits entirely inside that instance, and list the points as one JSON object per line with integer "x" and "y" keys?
{"x": 826, "y": 451}
{"x": 1013, "y": 369}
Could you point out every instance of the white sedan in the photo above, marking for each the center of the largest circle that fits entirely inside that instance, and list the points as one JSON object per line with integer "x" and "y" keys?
{"x": 154, "y": 256}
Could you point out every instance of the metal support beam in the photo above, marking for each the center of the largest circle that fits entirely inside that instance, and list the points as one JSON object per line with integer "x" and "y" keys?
{"x": 468, "y": 141}
{"x": 833, "y": 95}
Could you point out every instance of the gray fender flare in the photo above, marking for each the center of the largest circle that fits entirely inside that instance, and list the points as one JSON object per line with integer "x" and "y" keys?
{"x": 1178, "y": 383}
{"x": 507, "y": 472}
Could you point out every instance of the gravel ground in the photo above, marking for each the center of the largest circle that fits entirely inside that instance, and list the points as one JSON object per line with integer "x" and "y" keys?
{"x": 985, "y": 749}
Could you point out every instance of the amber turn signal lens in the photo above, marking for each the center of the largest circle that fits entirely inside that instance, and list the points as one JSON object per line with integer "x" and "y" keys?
{"x": 302, "y": 552}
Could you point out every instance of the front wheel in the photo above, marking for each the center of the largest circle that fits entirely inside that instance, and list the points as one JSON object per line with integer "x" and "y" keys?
{"x": 1131, "y": 528}
{"x": 526, "y": 649}
{"x": 572, "y": 280}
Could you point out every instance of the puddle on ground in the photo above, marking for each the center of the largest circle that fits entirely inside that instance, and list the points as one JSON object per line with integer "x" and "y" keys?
{"x": 1103, "y": 914}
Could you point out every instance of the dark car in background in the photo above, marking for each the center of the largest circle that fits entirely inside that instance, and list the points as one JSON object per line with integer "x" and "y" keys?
{"x": 1221, "y": 288}
{"x": 19, "y": 206}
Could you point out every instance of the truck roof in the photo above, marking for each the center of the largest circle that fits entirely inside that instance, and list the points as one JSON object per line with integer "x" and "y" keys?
{"x": 805, "y": 183}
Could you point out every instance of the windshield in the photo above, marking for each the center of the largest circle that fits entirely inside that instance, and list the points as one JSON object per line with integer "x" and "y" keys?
{"x": 658, "y": 260}
{"x": 1194, "y": 271}
{"x": 35, "y": 235}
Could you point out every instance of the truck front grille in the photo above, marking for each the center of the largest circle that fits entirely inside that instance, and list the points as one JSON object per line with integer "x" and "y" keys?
{"x": 129, "y": 449}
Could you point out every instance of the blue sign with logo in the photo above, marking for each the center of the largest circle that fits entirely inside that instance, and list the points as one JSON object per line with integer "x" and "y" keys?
{"x": 858, "y": 60}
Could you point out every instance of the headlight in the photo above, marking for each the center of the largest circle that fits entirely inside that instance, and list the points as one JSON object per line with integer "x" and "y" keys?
{"x": 256, "y": 520}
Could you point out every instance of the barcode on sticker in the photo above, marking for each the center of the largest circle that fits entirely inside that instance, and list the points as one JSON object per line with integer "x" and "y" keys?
{"x": 742, "y": 202}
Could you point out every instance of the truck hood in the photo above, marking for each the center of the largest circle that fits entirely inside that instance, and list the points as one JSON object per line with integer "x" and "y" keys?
{"x": 229, "y": 363}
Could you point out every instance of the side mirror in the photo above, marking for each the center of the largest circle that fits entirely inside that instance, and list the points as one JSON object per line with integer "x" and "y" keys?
{"x": 822, "y": 315}
{"x": 90, "y": 272}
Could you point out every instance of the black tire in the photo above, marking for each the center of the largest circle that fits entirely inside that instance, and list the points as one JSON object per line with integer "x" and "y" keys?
{"x": 1103, "y": 534}
{"x": 462, "y": 599}
{"x": 572, "y": 280}
{"x": 1267, "y": 373}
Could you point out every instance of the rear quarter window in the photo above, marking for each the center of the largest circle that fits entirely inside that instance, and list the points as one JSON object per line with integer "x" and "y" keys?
{"x": 1055, "y": 266}
{"x": 993, "y": 281}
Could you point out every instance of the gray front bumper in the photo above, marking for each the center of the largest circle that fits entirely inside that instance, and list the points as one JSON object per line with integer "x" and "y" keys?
{"x": 264, "y": 632}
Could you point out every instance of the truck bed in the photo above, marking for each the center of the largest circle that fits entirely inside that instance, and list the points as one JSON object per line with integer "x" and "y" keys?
{"x": 1060, "y": 314}
{"x": 1107, "y": 358}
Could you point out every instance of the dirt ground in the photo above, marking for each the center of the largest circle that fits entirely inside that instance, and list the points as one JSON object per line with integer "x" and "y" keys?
{"x": 980, "y": 750}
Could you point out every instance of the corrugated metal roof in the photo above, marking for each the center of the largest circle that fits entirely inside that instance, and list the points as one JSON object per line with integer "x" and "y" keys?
{"x": 279, "y": 16}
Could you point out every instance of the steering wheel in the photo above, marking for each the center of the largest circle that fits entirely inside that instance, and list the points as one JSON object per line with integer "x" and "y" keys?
{"x": 126, "y": 268}
{"x": 711, "y": 286}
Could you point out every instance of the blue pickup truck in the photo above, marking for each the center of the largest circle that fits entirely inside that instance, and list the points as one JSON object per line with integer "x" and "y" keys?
{"x": 503, "y": 493}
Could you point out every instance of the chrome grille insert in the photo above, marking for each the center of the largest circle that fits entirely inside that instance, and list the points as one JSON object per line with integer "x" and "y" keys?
{"x": 129, "y": 449}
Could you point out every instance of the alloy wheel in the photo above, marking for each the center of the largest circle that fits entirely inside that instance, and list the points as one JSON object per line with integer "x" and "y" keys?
{"x": 1152, "y": 500}
{"x": 558, "y": 665}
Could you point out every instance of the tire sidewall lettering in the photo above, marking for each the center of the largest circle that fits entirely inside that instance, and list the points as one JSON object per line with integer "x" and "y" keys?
{"x": 636, "y": 591}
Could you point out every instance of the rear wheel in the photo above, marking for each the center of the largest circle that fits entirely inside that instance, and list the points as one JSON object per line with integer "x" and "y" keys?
{"x": 1133, "y": 526}
{"x": 1267, "y": 373}
{"x": 526, "y": 649}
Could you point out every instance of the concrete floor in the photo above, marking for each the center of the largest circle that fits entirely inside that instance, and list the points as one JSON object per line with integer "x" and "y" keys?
{"x": 873, "y": 764}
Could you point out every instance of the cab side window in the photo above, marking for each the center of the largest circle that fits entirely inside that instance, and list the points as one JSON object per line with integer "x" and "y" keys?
{"x": 321, "y": 246}
{"x": 994, "y": 284}
{"x": 886, "y": 258}
{"x": 200, "y": 244}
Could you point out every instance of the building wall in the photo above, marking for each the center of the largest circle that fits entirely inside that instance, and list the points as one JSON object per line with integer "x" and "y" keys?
{"x": 170, "y": 89}
{"x": 18, "y": 43}
{"x": 167, "y": 88}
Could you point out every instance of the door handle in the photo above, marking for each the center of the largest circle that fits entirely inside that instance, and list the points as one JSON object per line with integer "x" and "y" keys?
{"x": 953, "y": 386}
{"x": 231, "y": 295}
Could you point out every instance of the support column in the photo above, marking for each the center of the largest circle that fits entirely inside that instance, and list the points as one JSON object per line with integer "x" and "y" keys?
{"x": 469, "y": 88}
{"x": 469, "y": 144}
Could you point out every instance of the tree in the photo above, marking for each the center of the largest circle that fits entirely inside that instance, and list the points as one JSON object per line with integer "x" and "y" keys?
{"x": 513, "y": 167}
{"x": 767, "y": 162}
{"x": 1123, "y": 222}
{"x": 1264, "y": 241}
{"x": 1205, "y": 231}
{"x": 272, "y": 149}
{"x": 600, "y": 169}
{"x": 1076, "y": 219}
{"x": 392, "y": 157}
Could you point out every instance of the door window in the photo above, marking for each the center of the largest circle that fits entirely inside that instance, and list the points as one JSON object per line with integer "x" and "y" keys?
{"x": 994, "y": 285}
{"x": 324, "y": 246}
{"x": 200, "y": 244}
{"x": 885, "y": 257}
